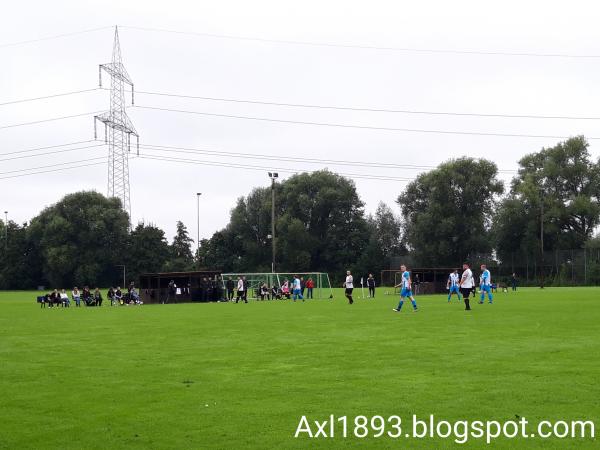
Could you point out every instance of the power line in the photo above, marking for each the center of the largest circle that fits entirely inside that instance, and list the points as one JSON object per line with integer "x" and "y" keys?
{"x": 52, "y": 165}
{"x": 173, "y": 149}
{"x": 48, "y": 96}
{"x": 51, "y": 152}
{"x": 48, "y": 120}
{"x": 364, "y": 47}
{"x": 53, "y": 170}
{"x": 261, "y": 168}
{"x": 353, "y": 108}
{"x": 56, "y": 36}
{"x": 360, "y": 127}
{"x": 47, "y": 147}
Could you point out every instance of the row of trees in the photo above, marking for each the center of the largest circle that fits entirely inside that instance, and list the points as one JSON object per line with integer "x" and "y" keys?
{"x": 452, "y": 213}
{"x": 85, "y": 239}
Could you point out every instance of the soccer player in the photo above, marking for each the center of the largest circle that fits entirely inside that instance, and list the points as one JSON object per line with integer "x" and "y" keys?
{"x": 297, "y": 288}
{"x": 486, "y": 284}
{"x": 349, "y": 285}
{"x": 466, "y": 284}
{"x": 406, "y": 291}
{"x": 452, "y": 285}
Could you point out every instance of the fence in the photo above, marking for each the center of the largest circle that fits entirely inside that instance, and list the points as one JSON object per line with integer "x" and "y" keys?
{"x": 559, "y": 268}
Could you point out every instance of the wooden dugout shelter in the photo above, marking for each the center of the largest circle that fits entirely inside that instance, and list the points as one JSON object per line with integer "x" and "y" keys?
{"x": 154, "y": 287}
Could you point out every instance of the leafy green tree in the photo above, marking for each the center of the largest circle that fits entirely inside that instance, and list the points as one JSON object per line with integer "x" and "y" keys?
{"x": 80, "y": 239}
{"x": 447, "y": 211}
{"x": 148, "y": 250}
{"x": 320, "y": 227}
{"x": 384, "y": 241}
{"x": 181, "y": 258}
{"x": 564, "y": 184}
{"x": 20, "y": 267}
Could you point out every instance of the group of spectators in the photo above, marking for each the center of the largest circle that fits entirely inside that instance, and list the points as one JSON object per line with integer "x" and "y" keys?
{"x": 85, "y": 296}
{"x": 266, "y": 292}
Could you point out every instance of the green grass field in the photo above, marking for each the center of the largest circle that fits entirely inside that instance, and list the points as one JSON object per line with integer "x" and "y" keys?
{"x": 199, "y": 376}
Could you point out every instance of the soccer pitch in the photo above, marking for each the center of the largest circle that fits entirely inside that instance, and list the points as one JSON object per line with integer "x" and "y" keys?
{"x": 199, "y": 376}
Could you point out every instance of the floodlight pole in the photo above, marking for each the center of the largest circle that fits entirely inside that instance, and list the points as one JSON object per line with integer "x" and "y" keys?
{"x": 124, "y": 280}
{"x": 273, "y": 176}
{"x": 5, "y": 231}
{"x": 542, "y": 239}
{"x": 198, "y": 194}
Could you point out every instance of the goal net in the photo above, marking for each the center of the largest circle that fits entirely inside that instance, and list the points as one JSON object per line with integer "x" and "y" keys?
{"x": 322, "y": 284}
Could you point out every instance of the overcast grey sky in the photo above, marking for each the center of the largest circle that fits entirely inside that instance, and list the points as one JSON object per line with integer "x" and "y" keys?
{"x": 163, "y": 192}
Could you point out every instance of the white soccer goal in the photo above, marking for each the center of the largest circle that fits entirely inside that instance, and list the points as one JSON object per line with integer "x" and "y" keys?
{"x": 321, "y": 281}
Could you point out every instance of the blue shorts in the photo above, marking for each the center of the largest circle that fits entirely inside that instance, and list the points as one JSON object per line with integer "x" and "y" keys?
{"x": 297, "y": 291}
{"x": 485, "y": 288}
{"x": 454, "y": 289}
{"x": 406, "y": 293}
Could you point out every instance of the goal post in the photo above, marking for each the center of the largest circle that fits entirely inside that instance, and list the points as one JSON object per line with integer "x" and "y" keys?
{"x": 322, "y": 284}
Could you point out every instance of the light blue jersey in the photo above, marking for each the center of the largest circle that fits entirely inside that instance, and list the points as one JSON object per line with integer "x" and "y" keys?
{"x": 486, "y": 285}
{"x": 486, "y": 278}
{"x": 406, "y": 292}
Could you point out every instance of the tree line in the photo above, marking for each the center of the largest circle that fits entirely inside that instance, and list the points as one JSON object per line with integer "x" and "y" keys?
{"x": 458, "y": 211}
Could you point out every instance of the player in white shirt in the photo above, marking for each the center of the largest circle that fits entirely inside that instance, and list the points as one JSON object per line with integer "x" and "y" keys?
{"x": 466, "y": 284}
{"x": 297, "y": 288}
{"x": 485, "y": 284}
{"x": 406, "y": 291}
{"x": 349, "y": 285}
{"x": 452, "y": 285}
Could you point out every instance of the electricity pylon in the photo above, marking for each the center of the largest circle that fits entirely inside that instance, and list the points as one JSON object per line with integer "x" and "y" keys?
{"x": 118, "y": 129}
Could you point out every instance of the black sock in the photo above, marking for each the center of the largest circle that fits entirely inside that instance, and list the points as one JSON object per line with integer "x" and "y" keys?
{"x": 467, "y": 303}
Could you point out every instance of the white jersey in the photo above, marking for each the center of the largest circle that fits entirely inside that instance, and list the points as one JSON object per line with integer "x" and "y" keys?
{"x": 297, "y": 284}
{"x": 349, "y": 282}
{"x": 467, "y": 279}
{"x": 454, "y": 279}
{"x": 240, "y": 285}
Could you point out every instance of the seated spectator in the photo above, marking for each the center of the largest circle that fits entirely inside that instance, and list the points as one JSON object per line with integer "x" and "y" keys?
{"x": 64, "y": 298}
{"x": 76, "y": 296}
{"x": 97, "y": 297}
{"x": 55, "y": 298}
{"x": 118, "y": 296}
{"x": 86, "y": 295}
{"x": 264, "y": 291}
{"x": 110, "y": 295}
{"x": 275, "y": 293}
{"x": 134, "y": 297}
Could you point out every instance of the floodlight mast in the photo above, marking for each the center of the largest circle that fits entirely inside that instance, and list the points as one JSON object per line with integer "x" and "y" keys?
{"x": 273, "y": 176}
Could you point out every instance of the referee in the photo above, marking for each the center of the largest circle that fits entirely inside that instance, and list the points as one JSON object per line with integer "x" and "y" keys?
{"x": 466, "y": 284}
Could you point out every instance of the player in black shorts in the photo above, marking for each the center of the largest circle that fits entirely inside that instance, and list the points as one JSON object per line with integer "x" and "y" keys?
{"x": 349, "y": 285}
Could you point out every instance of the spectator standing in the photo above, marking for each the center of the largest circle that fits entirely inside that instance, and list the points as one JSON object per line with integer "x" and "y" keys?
{"x": 371, "y": 285}
{"x": 229, "y": 285}
{"x": 514, "y": 281}
{"x": 310, "y": 285}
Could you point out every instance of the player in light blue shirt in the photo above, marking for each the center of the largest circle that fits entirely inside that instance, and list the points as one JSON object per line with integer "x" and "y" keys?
{"x": 453, "y": 285}
{"x": 486, "y": 284}
{"x": 406, "y": 291}
{"x": 297, "y": 288}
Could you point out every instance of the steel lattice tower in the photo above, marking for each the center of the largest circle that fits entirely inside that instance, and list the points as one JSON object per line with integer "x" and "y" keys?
{"x": 117, "y": 127}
